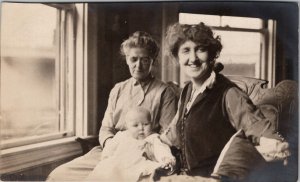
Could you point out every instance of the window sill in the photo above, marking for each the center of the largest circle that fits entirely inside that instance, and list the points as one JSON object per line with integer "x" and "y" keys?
{"x": 20, "y": 158}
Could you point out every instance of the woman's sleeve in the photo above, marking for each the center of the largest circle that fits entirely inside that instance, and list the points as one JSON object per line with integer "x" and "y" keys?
{"x": 169, "y": 136}
{"x": 161, "y": 151}
{"x": 107, "y": 129}
{"x": 243, "y": 114}
{"x": 112, "y": 146}
{"x": 168, "y": 108}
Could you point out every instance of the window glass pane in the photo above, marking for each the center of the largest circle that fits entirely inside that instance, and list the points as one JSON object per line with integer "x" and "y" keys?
{"x": 29, "y": 77}
{"x": 188, "y": 18}
{"x": 241, "y": 22}
{"x": 241, "y": 52}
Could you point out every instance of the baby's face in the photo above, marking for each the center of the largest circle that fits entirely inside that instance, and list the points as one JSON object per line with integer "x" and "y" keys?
{"x": 138, "y": 125}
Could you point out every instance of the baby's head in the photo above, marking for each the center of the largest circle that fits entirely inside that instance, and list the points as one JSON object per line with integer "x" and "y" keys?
{"x": 138, "y": 122}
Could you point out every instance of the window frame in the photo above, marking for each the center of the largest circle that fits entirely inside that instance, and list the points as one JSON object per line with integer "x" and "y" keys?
{"x": 57, "y": 147}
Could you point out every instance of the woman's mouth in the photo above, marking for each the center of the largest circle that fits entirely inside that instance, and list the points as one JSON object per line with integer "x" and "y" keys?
{"x": 139, "y": 71}
{"x": 194, "y": 65}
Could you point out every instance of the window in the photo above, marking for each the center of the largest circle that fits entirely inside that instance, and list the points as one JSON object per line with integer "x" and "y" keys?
{"x": 35, "y": 74}
{"x": 248, "y": 44}
{"x": 43, "y": 84}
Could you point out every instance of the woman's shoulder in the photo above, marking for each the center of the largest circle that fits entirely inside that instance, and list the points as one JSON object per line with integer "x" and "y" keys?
{"x": 220, "y": 78}
{"x": 120, "y": 86}
{"x": 122, "y": 83}
{"x": 159, "y": 83}
{"x": 187, "y": 87}
{"x": 162, "y": 87}
{"x": 223, "y": 84}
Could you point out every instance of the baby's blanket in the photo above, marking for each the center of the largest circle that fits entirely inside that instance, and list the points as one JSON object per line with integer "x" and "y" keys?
{"x": 126, "y": 162}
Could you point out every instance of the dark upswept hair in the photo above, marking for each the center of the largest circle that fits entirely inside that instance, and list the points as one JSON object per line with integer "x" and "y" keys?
{"x": 177, "y": 34}
{"x": 142, "y": 40}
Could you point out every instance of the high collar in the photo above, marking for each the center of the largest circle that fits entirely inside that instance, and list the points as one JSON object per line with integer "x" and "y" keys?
{"x": 145, "y": 83}
{"x": 208, "y": 83}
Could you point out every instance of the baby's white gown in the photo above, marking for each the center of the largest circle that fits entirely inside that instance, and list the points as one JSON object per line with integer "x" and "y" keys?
{"x": 123, "y": 159}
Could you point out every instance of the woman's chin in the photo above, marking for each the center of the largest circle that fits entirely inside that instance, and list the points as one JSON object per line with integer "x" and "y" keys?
{"x": 139, "y": 77}
{"x": 194, "y": 75}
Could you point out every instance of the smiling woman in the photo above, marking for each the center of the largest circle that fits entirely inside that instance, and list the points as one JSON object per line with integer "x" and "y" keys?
{"x": 196, "y": 49}
{"x": 201, "y": 137}
{"x": 194, "y": 60}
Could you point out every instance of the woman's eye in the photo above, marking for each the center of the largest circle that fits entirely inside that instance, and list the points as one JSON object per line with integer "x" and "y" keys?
{"x": 145, "y": 60}
{"x": 201, "y": 49}
{"x": 133, "y": 59}
{"x": 185, "y": 50}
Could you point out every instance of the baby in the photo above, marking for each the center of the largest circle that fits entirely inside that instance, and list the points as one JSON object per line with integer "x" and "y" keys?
{"x": 134, "y": 153}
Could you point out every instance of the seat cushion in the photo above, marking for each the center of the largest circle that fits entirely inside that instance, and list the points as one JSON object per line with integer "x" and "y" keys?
{"x": 238, "y": 158}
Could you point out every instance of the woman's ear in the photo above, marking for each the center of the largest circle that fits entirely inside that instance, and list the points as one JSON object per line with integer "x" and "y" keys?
{"x": 153, "y": 62}
{"x": 126, "y": 59}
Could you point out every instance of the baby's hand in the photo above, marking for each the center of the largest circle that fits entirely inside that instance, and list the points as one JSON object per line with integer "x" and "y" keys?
{"x": 168, "y": 163}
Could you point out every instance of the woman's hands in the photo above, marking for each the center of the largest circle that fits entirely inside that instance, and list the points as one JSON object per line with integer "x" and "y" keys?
{"x": 273, "y": 149}
{"x": 168, "y": 163}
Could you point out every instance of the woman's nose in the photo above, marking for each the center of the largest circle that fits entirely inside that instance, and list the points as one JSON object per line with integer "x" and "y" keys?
{"x": 193, "y": 56}
{"x": 138, "y": 63}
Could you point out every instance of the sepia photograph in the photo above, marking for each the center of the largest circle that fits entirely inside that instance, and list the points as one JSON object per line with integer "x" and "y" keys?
{"x": 171, "y": 91}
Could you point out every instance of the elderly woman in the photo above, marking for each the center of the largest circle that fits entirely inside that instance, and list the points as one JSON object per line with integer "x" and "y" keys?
{"x": 211, "y": 107}
{"x": 142, "y": 89}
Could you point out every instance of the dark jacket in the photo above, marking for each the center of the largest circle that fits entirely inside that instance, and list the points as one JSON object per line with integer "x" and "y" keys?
{"x": 205, "y": 129}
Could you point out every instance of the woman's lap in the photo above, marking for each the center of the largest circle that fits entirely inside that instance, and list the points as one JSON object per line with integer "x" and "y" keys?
{"x": 77, "y": 169}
